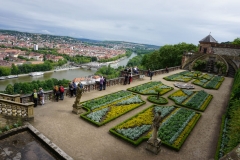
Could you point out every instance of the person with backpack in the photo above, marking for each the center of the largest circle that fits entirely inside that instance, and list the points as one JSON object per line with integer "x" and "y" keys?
{"x": 57, "y": 93}
{"x": 41, "y": 96}
{"x": 61, "y": 89}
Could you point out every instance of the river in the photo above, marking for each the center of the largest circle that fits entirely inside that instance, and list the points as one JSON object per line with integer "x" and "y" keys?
{"x": 64, "y": 74}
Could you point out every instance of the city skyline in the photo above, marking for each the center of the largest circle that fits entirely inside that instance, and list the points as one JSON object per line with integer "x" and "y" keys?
{"x": 156, "y": 23}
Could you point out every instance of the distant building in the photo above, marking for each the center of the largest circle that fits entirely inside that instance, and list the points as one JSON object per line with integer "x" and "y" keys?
{"x": 35, "y": 47}
{"x": 212, "y": 52}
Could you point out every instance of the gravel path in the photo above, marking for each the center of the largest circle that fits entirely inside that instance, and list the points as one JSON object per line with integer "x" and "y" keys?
{"x": 84, "y": 141}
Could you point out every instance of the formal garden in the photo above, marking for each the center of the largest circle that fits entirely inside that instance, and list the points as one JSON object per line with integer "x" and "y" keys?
{"x": 150, "y": 88}
{"x": 206, "y": 80}
{"x": 176, "y": 125}
{"x": 197, "y": 100}
{"x": 106, "y": 108}
{"x": 177, "y": 121}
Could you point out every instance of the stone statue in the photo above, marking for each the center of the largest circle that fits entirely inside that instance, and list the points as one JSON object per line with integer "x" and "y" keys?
{"x": 77, "y": 108}
{"x": 156, "y": 124}
{"x": 153, "y": 144}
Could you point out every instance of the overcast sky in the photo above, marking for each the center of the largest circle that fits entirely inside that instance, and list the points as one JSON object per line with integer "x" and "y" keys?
{"x": 156, "y": 22}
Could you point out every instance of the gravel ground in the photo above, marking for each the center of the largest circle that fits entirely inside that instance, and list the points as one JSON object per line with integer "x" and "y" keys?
{"x": 84, "y": 141}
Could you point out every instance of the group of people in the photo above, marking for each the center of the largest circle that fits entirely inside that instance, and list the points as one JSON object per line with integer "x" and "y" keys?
{"x": 58, "y": 92}
{"x": 72, "y": 88}
{"x": 102, "y": 83}
{"x": 132, "y": 70}
{"x": 38, "y": 97}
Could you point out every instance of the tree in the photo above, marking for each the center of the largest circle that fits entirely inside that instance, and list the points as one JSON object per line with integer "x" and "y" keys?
{"x": 168, "y": 55}
{"x": 9, "y": 89}
{"x": 236, "y": 41}
{"x": 199, "y": 65}
{"x": 14, "y": 69}
{"x": 158, "y": 90}
{"x": 5, "y": 71}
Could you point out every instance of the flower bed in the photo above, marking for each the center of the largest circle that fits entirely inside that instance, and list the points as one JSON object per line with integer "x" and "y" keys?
{"x": 149, "y": 88}
{"x": 213, "y": 82}
{"x": 106, "y": 108}
{"x": 154, "y": 99}
{"x": 193, "y": 74}
{"x": 175, "y": 127}
{"x": 178, "y": 77}
{"x": 197, "y": 100}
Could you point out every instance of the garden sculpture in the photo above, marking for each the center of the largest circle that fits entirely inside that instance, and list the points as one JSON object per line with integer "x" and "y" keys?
{"x": 153, "y": 144}
{"x": 77, "y": 106}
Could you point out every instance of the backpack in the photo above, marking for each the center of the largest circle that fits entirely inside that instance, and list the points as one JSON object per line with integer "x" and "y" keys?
{"x": 61, "y": 89}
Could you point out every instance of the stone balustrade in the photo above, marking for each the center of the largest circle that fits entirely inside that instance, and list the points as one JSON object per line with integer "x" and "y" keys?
{"x": 16, "y": 109}
{"x": 15, "y": 98}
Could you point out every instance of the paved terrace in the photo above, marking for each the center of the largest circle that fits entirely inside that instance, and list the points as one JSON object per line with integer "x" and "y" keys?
{"x": 84, "y": 141}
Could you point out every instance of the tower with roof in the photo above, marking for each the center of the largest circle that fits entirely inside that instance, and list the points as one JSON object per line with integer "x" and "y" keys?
{"x": 206, "y": 44}
{"x": 212, "y": 52}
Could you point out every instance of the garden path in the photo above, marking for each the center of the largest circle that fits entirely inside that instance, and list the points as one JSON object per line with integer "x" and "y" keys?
{"x": 84, "y": 141}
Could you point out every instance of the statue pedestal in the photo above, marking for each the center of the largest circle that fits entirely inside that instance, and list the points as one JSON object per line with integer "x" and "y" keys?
{"x": 154, "y": 147}
{"x": 77, "y": 109}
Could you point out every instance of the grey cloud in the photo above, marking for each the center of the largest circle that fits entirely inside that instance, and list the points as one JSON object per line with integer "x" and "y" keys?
{"x": 156, "y": 22}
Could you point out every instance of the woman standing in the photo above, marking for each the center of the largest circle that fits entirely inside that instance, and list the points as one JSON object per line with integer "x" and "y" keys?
{"x": 57, "y": 94}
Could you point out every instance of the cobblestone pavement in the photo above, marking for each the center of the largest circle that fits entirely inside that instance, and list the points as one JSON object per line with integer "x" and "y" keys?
{"x": 84, "y": 141}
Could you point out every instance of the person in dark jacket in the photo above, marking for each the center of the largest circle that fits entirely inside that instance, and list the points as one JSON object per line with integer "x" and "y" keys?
{"x": 125, "y": 79}
{"x": 70, "y": 86}
{"x": 151, "y": 74}
{"x": 104, "y": 83}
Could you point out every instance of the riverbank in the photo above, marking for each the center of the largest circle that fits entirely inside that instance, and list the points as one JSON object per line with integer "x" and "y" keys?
{"x": 64, "y": 74}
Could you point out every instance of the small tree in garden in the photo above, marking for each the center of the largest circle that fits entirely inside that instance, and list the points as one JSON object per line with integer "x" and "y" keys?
{"x": 199, "y": 65}
{"x": 221, "y": 67}
{"x": 158, "y": 90}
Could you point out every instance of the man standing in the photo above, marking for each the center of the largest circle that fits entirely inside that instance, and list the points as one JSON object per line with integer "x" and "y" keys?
{"x": 74, "y": 88}
{"x": 104, "y": 83}
{"x": 151, "y": 74}
{"x": 101, "y": 83}
{"x": 125, "y": 78}
{"x": 41, "y": 96}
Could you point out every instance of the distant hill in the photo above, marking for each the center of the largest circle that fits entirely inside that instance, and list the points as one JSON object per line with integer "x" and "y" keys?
{"x": 39, "y": 37}
{"x": 112, "y": 43}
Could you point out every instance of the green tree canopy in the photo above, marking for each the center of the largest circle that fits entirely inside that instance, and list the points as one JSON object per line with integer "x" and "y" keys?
{"x": 168, "y": 55}
{"x": 236, "y": 41}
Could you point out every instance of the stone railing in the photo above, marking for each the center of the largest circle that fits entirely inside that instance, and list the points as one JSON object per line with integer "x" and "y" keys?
{"x": 49, "y": 96}
{"x": 15, "y": 98}
{"x": 16, "y": 109}
{"x": 145, "y": 72}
